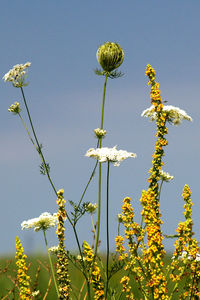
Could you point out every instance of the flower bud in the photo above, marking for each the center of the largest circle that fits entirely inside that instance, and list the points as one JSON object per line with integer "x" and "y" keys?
{"x": 15, "y": 108}
{"x": 110, "y": 56}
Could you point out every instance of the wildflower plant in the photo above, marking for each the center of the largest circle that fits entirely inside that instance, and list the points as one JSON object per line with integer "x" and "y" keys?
{"x": 23, "y": 278}
{"x": 139, "y": 258}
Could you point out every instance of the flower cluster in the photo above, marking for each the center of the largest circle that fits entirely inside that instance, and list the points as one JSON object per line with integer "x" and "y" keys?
{"x": 15, "y": 108}
{"x": 134, "y": 234}
{"x": 161, "y": 118}
{"x": 62, "y": 260}
{"x": 165, "y": 176}
{"x": 100, "y": 133}
{"x": 153, "y": 254}
{"x": 91, "y": 208}
{"x": 174, "y": 115}
{"x": 113, "y": 155}
{"x": 186, "y": 257}
{"x": 126, "y": 287}
{"x": 17, "y": 75}
{"x": 22, "y": 278}
{"x": 110, "y": 56}
{"x": 93, "y": 268}
{"x": 43, "y": 222}
{"x": 53, "y": 249}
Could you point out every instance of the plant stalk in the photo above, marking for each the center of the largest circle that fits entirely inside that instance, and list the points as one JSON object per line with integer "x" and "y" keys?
{"x": 51, "y": 265}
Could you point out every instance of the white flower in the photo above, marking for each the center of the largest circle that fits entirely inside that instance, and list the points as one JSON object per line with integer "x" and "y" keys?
{"x": 165, "y": 176}
{"x": 36, "y": 293}
{"x": 44, "y": 221}
{"x": 15, "y": 108}
{"x": 53, "y": 249}
{"x": 100, "y": 133}
{"x": 17, "y": 75}
{"x": 189, "y": 257}
{"x": 80, "y": 258}
{"x": 120, "y": 218}
{"x": 175, "y": 115}
{"x": 109, "y": 154}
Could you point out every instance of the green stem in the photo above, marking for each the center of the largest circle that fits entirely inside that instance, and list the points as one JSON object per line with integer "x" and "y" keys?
{"x": 107, "y": 227}
{"x": 38, "y": 148}
{"x": 103, "y": 104}
{"x": 37, "y": 142}
{"x": 82, "y": 261}
{"x": 160, "y": 190}
{"x": 99, "y": 187}
{"x": 91, "y": 176}
{"x": 93, "y": 227}
{"x": 27, "y": 131}
{"x": 51, "y": 265}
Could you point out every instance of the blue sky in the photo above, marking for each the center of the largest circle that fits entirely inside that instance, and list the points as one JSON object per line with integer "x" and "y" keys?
{"x": 60, "y": 39}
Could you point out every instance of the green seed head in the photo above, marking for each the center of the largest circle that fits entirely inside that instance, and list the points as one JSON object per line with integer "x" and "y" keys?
{"x": 110, "y": 56}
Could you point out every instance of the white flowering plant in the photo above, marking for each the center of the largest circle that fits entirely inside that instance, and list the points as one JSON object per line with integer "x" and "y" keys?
{"x": 140, "y": 255}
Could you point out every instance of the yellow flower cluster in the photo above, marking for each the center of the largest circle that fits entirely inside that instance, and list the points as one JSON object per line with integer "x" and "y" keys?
{"x": 62, "y": 262}
{"x": 22, "y": 278}
{"x": 186, "y": 257}
{"x": 161, "y": 130}
{"x": 134, "y": 234}
{"x": 154, "y": 252}
{"x": 126, "y": 287}
{"x": 96, "y": 279}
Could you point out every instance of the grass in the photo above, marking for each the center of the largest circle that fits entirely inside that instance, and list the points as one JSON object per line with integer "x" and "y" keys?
{"x": 40, "y": 278}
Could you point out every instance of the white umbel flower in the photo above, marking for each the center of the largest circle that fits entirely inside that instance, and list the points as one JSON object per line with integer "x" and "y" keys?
{"x": 54, "y": 249}
{"x": 44, "y": 221}
{"x": 109, "y": 154}
{"x": 17, "y": 75}
{"x": 165, "y": 176}
{"x": 175, "y": 115}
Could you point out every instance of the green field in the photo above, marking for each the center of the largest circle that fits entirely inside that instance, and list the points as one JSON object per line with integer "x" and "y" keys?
{"x": 40, "y": 279}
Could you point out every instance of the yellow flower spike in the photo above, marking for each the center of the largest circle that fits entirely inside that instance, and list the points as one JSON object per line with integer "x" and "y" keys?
{"x": 94, "y": 270}
{"x": 153, "y": 252}
{"x": 186, "y": 255}
{"x": 62, "y": 260}
{"x": 22, "y": 278}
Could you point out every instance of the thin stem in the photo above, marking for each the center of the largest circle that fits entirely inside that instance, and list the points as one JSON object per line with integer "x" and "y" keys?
{"x": 91, "y": 176}
{"x": 103, "y": 103}
{"x": 160, "y": 189}
{"x": 39, "y": 150}
{"x": 107, "y": 227}
{"x": 37, "y": 142}
{"x": 93, "y": 227}
{"x": 82, "y": 261}
{"x": 24, "y": 124}
{"x": 99, "y": 212}
{"x": 51, "y": 265}
{"x": 99, "y": 184}
{"x": 38, "y": 147}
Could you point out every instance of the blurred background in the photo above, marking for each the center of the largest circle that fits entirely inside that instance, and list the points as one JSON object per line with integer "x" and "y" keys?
{"x": 60, "y": 39}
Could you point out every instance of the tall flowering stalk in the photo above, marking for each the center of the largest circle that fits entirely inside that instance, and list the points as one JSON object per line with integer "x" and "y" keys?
{"x": 133, "y": 263}
{"x": 62, "y": 260}
{"x": 22, "y": 278}
{"x": 110, "y": 56}
{"x": 94, "y": 272}
{"x": 185, "y": 266}
{"x": 153, "y": 254}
